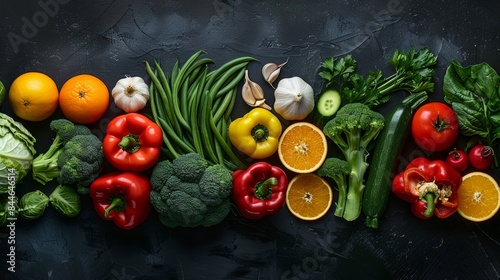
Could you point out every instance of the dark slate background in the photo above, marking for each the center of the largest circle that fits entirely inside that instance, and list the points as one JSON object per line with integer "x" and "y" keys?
{"x": 111, "y": 39}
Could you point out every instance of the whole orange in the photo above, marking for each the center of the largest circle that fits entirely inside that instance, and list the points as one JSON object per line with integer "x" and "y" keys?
{"x": 84, "y": 99}
{"x": 33, "y": 96}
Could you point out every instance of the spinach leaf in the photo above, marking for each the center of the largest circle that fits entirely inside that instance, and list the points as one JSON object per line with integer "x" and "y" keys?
{"x": 473, "y": 93}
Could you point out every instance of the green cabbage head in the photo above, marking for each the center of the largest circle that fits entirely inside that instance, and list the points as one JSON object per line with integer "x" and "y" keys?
{"x": 16, "y": 151}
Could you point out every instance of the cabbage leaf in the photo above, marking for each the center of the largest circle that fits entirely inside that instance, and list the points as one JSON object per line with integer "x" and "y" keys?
{"x": 16, "y": 151}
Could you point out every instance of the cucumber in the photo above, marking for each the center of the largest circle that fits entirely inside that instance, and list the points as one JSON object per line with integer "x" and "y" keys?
{"x": 387, "y": 148}
{"x": 328, "y": 104}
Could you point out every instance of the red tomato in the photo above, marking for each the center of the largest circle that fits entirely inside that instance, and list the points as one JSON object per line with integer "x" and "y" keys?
{"x": 481, "y": 156}
{"x": 435, "y": 126}
{"x": 458, "y": 160}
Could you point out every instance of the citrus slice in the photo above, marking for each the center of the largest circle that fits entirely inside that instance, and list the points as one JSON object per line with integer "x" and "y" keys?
{"x": 308, "y": 196}
{"x": 478, "y": 197}
{"x": 302, "y": 147}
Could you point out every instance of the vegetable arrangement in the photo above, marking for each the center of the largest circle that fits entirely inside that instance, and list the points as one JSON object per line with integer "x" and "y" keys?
{"x": 182, "y": 156}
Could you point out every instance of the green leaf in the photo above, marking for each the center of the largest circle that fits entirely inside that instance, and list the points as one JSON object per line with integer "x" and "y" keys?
{"x": 471, "y": 122}
{"x": 32, "y": 205}
{"x": 328, "y": 63}
{"x": 473, "y": 93}
{"x": 66, "y": 201}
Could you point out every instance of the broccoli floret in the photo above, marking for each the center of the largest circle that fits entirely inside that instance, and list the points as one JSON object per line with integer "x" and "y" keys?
{"x": 352, "y": 130}
{"x": 198, "y": 194}
{"x": 174, "y": 183}
{"x": 338, "y": 170}
{"x": 80, "y": 162}
{"x": 215, "y": 184}
{"x": 65, "y": 130}
{"x": 44, "y": 166}
{"x": 216, "y": 214}
{"x": 160, "y": 174}
{"x": 189, "y": 167}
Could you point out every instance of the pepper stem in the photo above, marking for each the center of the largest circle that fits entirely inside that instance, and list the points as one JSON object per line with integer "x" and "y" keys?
{"x": 264, "y": 189}
{"x": 429, "y": 199}
{"x": 130, "y": 143}
{"x": 117, "y": 204}
{"x": 260, "y": 133}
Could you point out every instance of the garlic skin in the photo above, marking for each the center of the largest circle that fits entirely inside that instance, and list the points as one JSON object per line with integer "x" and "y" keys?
{"x": 253, "y": 94}
{"x": 130, "y": 94}
{"x": 271, "y": 71}
{"x": 294, "y": 98}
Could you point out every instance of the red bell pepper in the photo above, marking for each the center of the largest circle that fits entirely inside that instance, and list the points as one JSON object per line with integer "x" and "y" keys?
{"x": 430, "y": 186}
{"x": 259, "y": 190}
{"x": 123, "y": 197}
{"x": 132, "y": 142}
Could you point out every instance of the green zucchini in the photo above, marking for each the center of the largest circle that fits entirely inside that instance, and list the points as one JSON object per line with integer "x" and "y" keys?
{"x": 387, "y": 148}
{"x": 328, "y": 104}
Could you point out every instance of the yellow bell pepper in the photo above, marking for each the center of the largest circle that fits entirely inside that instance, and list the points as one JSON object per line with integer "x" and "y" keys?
{"x": 256, "y": 134}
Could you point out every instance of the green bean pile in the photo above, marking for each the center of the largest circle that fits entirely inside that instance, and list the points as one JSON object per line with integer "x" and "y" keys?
{"x": 193, "y": 107}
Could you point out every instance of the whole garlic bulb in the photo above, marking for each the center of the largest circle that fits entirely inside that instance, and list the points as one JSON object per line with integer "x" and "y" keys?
{"x": 294, "y": 98}
{"x": 130, "y": 94}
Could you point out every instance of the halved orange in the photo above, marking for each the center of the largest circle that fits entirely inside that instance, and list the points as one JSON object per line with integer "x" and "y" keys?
{"x": 478, "y": 197}
{"x": 308, "y": 196}
{"x": 302, "y": 148}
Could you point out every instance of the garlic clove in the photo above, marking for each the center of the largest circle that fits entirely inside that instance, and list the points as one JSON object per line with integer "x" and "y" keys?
{"x": 253, "y": 94}
{"x": 271, "y": 71}
{"x": 262, "y": 103}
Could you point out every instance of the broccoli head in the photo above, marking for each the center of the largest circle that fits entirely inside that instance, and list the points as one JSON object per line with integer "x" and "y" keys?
{"x": 216, "y": 183}
{"x": 190, "y": 167}
{"x": 338, "y": 170}
{"x": 80, "y": 162}
{"x": 163, "y": 170}
{"x": 352, "y": 129}
{"x": 190, "y": 192}
{"x": 44, "y": 166}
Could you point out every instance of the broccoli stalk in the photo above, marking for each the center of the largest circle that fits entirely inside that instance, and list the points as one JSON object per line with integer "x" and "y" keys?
{"x": 352, "y": 130}
{"x": 45, "y": 166}
{"x": 74, "y": 157}
{"x": 338, "y": 170}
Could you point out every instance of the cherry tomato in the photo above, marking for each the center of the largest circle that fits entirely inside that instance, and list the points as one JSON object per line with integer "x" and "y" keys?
{"x": 481, "y": 156}
{"x": 435, "y": 126}
{"x": 458, "y": 160}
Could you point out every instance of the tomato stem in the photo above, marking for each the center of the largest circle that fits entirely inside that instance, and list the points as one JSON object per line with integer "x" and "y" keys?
{"x": 440, "y": 124}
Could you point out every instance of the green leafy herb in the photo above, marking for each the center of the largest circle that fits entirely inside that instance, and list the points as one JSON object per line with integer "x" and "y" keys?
{"x": 474, "y": 94}
{"x": 413, "y": 73}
